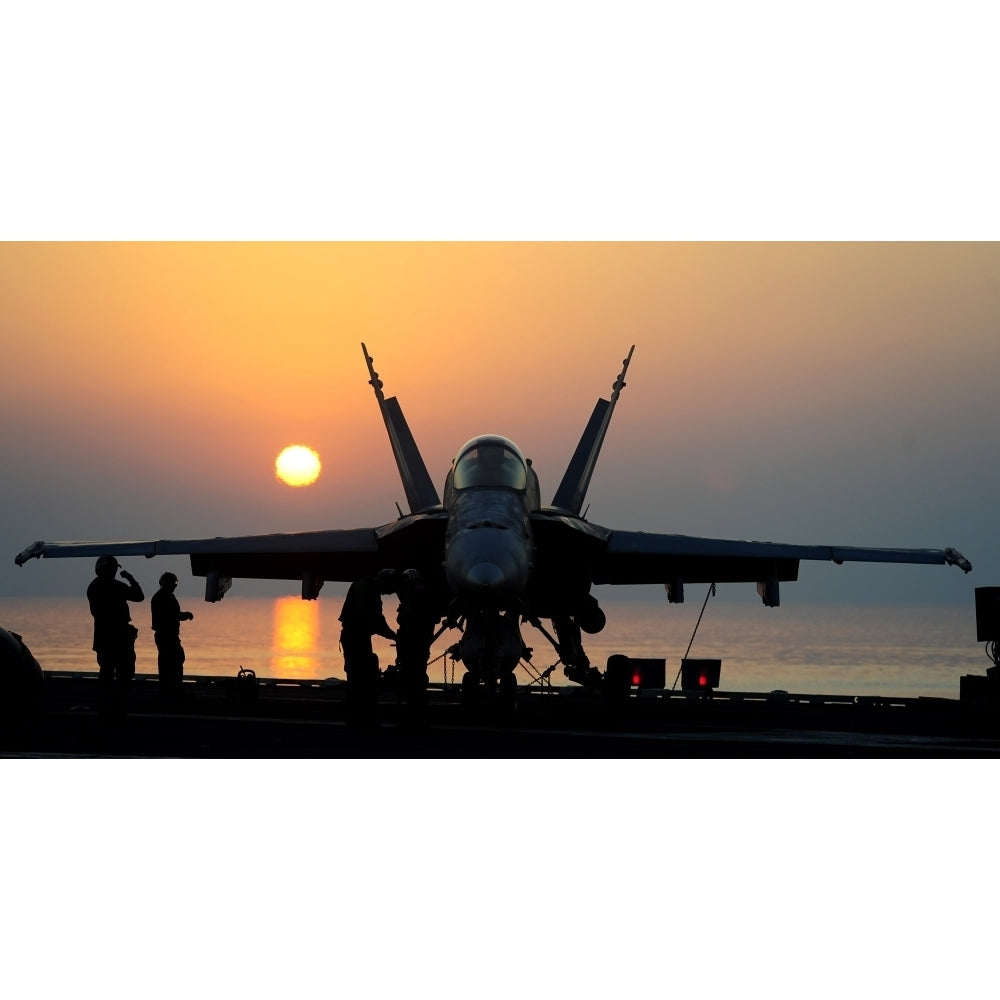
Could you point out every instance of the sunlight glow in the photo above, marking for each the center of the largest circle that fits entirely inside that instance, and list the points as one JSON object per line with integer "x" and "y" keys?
{"x": 297, "y": 465}
{"x": 296, "y": 638}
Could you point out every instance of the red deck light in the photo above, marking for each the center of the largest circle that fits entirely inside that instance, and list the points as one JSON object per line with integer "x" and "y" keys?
{"x": 647, "y": 672}
{"x": 700, "y": 675}
{"x": 624, "y": 672}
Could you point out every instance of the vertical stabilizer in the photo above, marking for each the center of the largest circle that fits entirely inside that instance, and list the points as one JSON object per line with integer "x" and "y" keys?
{"x": 576, "y": 480}
{"x": 420, "y": 492}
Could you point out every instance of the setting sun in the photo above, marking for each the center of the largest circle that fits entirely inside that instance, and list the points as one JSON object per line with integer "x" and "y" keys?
{"x": 297, "y": 465}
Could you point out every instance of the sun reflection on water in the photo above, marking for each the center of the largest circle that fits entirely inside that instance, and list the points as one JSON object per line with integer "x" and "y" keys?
{"x": 296, "y": 638}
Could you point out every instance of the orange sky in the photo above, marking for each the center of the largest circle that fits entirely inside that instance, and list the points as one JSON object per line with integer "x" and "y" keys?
{"x": 834, "y": 393}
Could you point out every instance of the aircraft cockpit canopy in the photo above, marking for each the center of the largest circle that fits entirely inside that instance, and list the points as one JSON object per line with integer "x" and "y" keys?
{"x": 490, "y": 461}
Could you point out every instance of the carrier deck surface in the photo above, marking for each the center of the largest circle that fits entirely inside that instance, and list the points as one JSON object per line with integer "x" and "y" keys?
{"x": 220, "y": 717}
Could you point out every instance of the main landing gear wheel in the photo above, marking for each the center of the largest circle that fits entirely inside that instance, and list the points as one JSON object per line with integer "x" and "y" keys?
{"x": 617, "y": 679}
{"x": 507, "y": 700}
{"x": 470, "y": 690}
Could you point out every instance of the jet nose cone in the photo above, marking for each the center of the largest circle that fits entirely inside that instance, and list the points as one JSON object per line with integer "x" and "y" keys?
{"x": 487, "y": 565}
{"x": 485, "y": 575}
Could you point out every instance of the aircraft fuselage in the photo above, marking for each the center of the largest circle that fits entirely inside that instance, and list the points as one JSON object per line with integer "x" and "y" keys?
{"x": 489, "y": 548}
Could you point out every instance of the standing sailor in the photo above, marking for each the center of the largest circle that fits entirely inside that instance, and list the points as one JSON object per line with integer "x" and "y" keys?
{"x": 167, "y": 618}
{"x": 114, "y": 633}
{"x": 417, "y": 617}
{"x": 361, "y": 618}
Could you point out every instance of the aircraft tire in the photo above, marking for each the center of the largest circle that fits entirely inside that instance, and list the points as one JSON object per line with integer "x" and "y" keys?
{"x": 470, "y": 690}
{"x": 507, "y": 699}
{"x": 617, "y": 680}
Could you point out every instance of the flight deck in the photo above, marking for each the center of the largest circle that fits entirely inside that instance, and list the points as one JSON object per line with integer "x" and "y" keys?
{"x": 270, "y": 718}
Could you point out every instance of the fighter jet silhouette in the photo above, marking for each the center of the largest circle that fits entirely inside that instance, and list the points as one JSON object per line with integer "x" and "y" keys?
{"x": 493, "y": 554}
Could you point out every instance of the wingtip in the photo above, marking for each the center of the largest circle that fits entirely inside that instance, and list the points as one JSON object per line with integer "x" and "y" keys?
{"x": 955, "y": 558}
{"x": 33, "y": 551}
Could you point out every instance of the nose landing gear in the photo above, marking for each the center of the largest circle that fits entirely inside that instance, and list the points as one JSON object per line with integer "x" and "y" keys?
{"x": 491, "y": 648}
{"x": 479, "y": 692}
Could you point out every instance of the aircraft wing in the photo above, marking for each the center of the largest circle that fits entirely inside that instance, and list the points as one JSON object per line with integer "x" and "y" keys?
{"x": 309, "y": 556}
{"x": 673, "y": 560}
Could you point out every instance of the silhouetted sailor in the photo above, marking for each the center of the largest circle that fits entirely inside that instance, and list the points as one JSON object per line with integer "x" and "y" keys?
{"x": 114, "y": 633}
{"x": 417, "y": 615}
{"x": 361, "y": 618}
{"x": 167, "y": 618}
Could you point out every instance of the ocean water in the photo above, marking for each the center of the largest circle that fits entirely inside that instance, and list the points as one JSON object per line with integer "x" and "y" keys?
{"x": 842, "y": 649}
